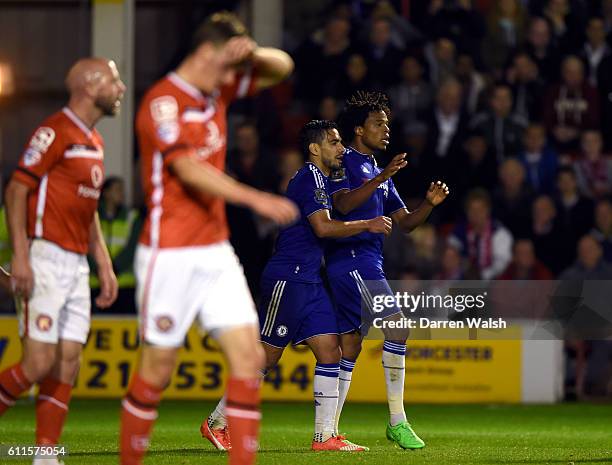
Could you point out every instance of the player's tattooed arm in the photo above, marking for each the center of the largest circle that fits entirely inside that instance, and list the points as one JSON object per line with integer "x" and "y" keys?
{"x": 408, "y": 221}
{"x": 346, "y": 201}
{"x": 324, "y": 227}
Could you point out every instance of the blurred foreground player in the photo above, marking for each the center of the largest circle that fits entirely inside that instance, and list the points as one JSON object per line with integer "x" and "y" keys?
{"x": 51, "y": 205}
{"x": 185, "y": 266}
{"x": 355, "y": 264}
{"x": 295, "y": 305}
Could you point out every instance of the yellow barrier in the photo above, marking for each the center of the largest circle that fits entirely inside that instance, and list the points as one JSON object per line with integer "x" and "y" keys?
{"x": 437, "y": 371}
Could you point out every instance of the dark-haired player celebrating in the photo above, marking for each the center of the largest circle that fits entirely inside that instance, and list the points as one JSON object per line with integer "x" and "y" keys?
{"x": 295, "y": 306}
{"x": 355, "y": 264}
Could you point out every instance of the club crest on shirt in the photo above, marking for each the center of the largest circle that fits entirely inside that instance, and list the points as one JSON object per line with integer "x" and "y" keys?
{"x": 44, "y": 322}
{"x": 164, "y": 323}
{"x": 282, "y": 331}
{"x": 338, "y": 175}
{"x": 321, "y": 196}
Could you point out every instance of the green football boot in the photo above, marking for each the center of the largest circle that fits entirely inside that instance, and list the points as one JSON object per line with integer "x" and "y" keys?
{"x": 404, "y": 436}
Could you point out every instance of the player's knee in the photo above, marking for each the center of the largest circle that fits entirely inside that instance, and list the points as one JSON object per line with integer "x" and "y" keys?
{"x": 38, "y": 365}
{"x": 330, "y": 354}
{"x": 247, "y": 360}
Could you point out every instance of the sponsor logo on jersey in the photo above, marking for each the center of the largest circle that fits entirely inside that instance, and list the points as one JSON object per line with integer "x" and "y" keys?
{"x": 365, "y": 169}
{"x": 214, "y": 141}
{"x": 97, "y": 176}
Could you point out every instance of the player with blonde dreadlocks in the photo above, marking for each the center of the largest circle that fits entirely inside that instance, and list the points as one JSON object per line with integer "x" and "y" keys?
{"x": 355, "y": 264}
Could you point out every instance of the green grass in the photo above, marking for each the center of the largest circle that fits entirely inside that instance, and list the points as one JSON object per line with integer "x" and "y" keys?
{"x": 458, "y": 435}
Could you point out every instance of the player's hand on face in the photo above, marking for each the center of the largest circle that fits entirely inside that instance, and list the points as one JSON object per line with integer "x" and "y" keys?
{"x": 274, "y": 207}
{"x": 437, "y": 193}
{"x": 397, "y": 163}
{"x": 380, "y": 225}
{"x": 22, "y": 277}
{"x": 238, "y": 49}
{"x": 109, "y": 287}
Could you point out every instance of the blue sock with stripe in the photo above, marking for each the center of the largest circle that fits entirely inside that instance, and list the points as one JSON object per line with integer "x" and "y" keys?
{"x": 325, "y": 387}
{"x": 344, "y": 383}
{"x": 394, "y": 364}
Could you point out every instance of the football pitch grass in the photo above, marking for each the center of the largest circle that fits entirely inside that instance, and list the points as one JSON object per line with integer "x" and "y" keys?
{"x": 569, "y": 434}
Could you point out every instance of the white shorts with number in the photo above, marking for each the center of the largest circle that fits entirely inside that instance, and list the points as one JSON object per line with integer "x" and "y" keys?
{"x": 174, "y": 285}
{"x": 60, "y": 305}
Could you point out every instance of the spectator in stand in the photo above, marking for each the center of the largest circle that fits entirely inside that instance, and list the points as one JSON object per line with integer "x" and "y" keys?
{"x": 590, "y": 264}
{"x": 447, "y": 126}
{"x": 472, "y": 81}
{"x": 606, "y": 14}
{"x": 482, "y": 240}
{"x": 571, "y": 106}
{"x": 328, "y": 50}
{"x": 451, "y": 265}
{"x": 542, "y": 49}
{"x": 383, "y": 58}
{"x": 525, "y": 265}
{"x": 356, "y": 77}
{"x": 575, "y": 210}
{"x": 506, "y": 26}
{"x": 440, "y": 56}
{"x": 596, "y": 53}
{"x": 513, "y": 198}
{"x": 527, "y": 87}
{"x": 290, "y": 162}
{"x": 419, "y": 251}
{"x": 457, "y": 20}
{"x": 478, "y": 167}
{"x": 403, "y": 34}
{"x": 328, "y": 109}
{"x": 602, "y": 231}
{"x": 413, "y": 95}
{"x": 593, "y": 170}
{"x": 566, "y": 23}
{"x": 539, "y": 159}
{"x": 502, "y": 129}
{"x": 549, "y": 239}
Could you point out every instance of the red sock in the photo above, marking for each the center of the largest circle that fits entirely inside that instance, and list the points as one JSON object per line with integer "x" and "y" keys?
{"x": 137, "y": 418}
{"x": 51, "y": 410}
{"x": 243, "y": 417}
{"x": 13, "y": 383}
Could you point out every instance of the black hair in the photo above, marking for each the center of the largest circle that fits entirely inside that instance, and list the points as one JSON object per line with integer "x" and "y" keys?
{"x": 315, "y": 132}
{"x": 218, "y": 28}
{"x": 566, "y": 169}
{"x": 357, "y": 109}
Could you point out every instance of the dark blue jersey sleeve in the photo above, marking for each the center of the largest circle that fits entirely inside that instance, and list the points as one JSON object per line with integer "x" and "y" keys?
{"x": 393, "y": 202}
{"x": 310, "y": 193}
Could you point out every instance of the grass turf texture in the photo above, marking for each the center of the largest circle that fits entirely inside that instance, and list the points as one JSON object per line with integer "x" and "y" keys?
{"x": 569, "y": 434}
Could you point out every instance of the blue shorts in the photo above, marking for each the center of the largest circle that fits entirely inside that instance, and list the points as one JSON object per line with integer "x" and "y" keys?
{"x": 353, "y": 300}
{"x": 293, "y": 312}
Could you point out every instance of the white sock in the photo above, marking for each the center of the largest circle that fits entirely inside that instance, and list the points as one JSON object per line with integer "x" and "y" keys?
{"x": 217, "y": 420}
{"x": 344, "y": 383}
{"x": 394, "y": 364}
{"x": 325, "y": 387}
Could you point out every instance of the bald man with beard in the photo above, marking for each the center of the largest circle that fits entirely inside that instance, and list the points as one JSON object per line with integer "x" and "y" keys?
{"x": 51, "y": 203}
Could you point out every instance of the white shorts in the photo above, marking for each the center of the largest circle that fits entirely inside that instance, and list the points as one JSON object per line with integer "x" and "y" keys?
{"x": 175, "y": 285}
{"x": 60, "y": 304}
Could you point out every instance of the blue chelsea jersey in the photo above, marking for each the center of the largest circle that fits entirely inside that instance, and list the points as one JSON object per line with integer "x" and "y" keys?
{"x": 363, "y": 251}
{"x": 299, "y": 251}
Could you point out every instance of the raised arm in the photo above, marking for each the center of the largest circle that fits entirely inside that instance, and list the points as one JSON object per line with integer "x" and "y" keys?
{"x": 273, "y": 66}
{"x": 346, "y": 200}
{"x": 324, "y": 227}
{"x": 408, "y": 221}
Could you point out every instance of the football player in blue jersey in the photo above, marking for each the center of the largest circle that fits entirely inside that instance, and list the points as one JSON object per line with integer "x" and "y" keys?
{"x": 295, "y": 306}
{"x": 355, "y": 264}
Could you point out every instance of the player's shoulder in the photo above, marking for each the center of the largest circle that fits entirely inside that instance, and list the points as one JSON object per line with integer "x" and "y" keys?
{"x": 48, "y": 131}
